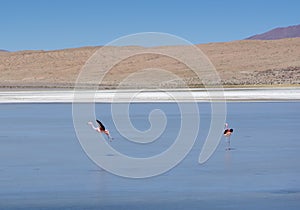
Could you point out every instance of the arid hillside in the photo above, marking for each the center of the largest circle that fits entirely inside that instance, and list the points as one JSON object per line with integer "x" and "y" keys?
{"x": 278, "y": 33}
{"x": 246, "y": 62}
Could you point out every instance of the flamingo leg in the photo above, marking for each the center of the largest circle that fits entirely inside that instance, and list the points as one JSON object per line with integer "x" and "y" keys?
{"x": 228, "y": 143}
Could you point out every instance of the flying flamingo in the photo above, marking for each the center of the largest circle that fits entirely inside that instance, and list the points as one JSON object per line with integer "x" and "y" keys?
{"x": 101, "y": 129}
{"x": 227, "y": 133}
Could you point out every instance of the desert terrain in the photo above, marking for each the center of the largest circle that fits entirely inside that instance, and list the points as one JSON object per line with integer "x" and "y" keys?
{"x": 238, "y": 63}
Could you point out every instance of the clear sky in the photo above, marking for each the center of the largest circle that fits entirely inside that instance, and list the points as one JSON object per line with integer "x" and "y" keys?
{"x": 58, "y": 24}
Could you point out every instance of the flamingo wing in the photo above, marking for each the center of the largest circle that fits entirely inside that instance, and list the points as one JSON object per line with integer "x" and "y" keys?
{"x": 102, "y": 127}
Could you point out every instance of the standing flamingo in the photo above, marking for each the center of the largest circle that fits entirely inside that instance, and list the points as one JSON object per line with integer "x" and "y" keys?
{"x": 227, "y": 133}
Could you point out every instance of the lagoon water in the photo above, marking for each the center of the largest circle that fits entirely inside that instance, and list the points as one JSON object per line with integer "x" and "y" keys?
{"x": 42, "y": 164}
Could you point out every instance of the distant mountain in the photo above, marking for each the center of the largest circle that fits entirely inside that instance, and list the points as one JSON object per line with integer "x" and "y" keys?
{"x": 3, "y": 50}
{"x": 278, "y": 33}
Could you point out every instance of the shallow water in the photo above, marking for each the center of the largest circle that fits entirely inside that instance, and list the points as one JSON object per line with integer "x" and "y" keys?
{"x": 42, "y": 165}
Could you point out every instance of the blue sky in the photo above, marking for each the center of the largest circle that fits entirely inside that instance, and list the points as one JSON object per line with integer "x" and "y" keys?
{"x": 58, "y": 24}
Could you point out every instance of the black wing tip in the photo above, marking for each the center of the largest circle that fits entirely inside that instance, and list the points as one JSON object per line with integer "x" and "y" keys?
{"x": 228, "y": 130}
{"x": 100, "y": 124}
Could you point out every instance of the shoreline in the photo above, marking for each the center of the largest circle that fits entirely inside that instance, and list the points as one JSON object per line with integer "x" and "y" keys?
{"x": 151, "y": 95}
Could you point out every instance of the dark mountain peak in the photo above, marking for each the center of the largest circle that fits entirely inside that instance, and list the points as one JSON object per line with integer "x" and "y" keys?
{"x": 278, "y": 33}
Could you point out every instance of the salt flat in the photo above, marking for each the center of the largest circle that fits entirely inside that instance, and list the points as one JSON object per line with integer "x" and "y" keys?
{"x": 157, "y": 95}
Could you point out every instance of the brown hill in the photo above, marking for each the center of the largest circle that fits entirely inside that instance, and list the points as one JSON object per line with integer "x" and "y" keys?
{"x": 246, "y": 62}
{"x": 278, "y": 33}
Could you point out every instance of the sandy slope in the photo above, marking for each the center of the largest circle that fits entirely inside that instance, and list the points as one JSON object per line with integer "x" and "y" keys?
{"x": 238, "y": 63}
